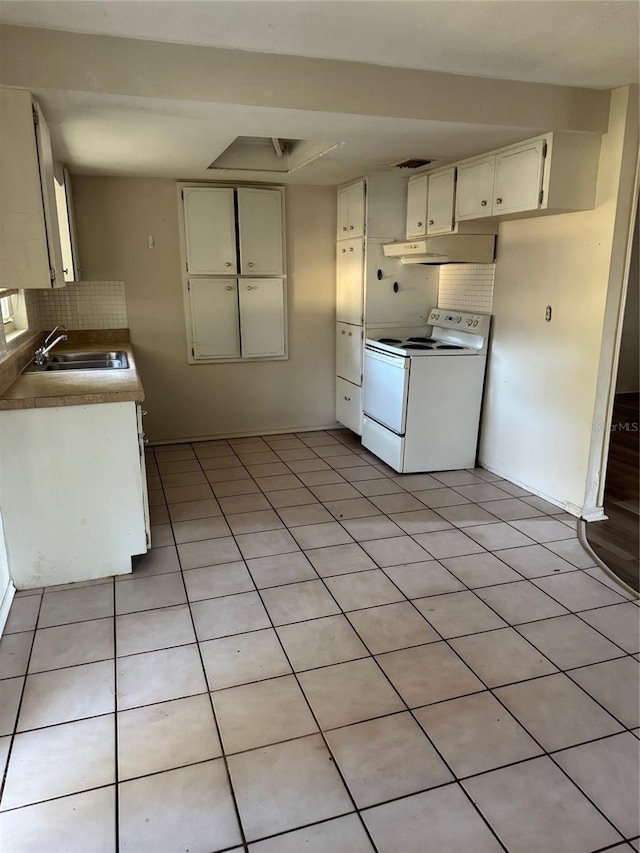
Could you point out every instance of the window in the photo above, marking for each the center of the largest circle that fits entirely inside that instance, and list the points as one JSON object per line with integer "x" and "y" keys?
{"x": 14, "y": 314}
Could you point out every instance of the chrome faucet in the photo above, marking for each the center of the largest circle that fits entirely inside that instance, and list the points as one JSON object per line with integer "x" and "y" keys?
{"x": 40, "y": 356}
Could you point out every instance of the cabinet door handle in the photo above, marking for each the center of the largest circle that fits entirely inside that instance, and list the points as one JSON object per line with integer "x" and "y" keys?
{"x": 342, "y": 332}
{"x": 419, "y": 224}
{"x": 249, "y": 287}
{"x": 351, "y": 248}
{"x": 430, "y": 222}
{"x": 229, "y": 287}
{"x": 344, "y": 227}
{"x": 343, "y": 251}
{"x": 351, "y": 228}
{"x": 498, "y": 201}
{"x": 227, "y": 263}
{"x": 350, "y": 334}
{"x": 250, "y": 264}
{"x": 483, "y": 203}
{"x": 348, "y": 399}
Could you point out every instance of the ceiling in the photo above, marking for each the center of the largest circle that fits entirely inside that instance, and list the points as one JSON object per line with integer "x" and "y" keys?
{"x": 576, "y": 43}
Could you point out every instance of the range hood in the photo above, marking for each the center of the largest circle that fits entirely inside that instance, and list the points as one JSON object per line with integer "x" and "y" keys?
{"x": 445, "y": 249}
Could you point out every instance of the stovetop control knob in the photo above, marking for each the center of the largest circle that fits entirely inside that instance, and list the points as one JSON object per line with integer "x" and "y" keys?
{"x": 458, "y": 319}
{"x": 475, "y": 322}
{"x": 469, "y": 322}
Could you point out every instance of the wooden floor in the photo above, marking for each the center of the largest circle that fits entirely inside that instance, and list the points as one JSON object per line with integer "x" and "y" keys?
{"x": 615, "y": 541}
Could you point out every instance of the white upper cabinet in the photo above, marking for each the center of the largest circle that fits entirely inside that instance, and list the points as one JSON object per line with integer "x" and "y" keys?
{"x": 518, "y": 178}
{"x": 552, "y": 173}
{"x": 417, "y": 206}
{"x": 474, "y": 189}
{"x": 262, "y": 324}
{"x": 30, "y": 254}
{"x": 213, "y": 304}
{"x": 441, "y": 192}
{"x": 260, "y": 230}
{"x": 210, "y": 230}
{"x": 350, "y": 281}
{"x": 234, "y": 287}
{"x": 351, "y": 211}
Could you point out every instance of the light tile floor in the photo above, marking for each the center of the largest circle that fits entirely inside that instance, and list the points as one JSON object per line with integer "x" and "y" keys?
{"x": 320, "y": 655}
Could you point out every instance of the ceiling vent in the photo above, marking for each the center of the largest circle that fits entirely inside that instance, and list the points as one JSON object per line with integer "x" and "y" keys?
{"x": 412, "y": 163}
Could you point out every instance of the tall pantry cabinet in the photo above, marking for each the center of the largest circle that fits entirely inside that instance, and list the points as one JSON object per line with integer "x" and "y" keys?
{"x": 371, "y": 290}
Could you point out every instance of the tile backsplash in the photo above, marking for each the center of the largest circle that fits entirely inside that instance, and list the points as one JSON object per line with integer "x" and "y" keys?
{"x": 84, "y": 305}
{"x": 467, "y": 287}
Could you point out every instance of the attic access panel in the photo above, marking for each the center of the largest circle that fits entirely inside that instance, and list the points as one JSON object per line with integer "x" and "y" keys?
{"x": 270, "y": 154}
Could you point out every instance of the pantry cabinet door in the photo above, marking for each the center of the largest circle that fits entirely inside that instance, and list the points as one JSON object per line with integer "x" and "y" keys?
{"x": 260, "y": 228}
{"x": 440, "y": 197}
{"x": 474, "y": 189}
{"x": 349, "y": 352}
{"x": 417, "y": 207}
{"x": 213, "y": 311}
{"x": 262, "y": 317}
{"x": 518, "y": 179}
{"x": 210, "y": 230}
{"x": 350, "y": 281}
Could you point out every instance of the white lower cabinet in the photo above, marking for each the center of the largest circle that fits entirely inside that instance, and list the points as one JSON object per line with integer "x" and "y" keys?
{"x": 262, "y": 326}
{"x": 349, "y": 405}
{"x": 72, "y": 492}
{"x": 349, "y": 352}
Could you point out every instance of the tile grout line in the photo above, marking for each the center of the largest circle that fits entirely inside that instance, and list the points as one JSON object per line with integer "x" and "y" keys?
{"x": 116, "y": 732}
{"x": 3, "y": 780}
{"x": 311, "y": 711}
{"x": 395, "y": 690}
{"x": 224, "y": 757}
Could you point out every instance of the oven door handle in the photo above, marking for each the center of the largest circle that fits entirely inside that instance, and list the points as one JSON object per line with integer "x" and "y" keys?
{"x": 394, "y": 360}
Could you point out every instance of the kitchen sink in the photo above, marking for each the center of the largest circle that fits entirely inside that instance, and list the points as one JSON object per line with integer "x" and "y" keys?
{"x": 112, "y": 360}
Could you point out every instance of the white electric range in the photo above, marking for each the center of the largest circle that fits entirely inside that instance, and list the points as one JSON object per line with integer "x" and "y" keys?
{"x": 422, "y": 394}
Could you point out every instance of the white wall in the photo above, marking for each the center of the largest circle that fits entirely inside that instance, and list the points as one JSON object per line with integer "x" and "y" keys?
{"x": 543, "y": 378}
{"x": 114, "y": 218}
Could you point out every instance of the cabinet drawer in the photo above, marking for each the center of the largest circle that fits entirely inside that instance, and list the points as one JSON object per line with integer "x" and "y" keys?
{"x": 349, "y": 352}
{"x": 349, "y": 405}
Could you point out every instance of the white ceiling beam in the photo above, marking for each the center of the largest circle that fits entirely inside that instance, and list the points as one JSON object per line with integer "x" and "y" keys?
{"x": 38, "y": 58}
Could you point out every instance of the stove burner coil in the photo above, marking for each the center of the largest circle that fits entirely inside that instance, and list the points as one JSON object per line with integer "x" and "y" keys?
{"x": 389, "y": 341}
{"x": 422, "y": 340}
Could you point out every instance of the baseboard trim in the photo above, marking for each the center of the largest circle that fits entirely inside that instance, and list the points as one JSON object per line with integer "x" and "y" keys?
{"x": 595, "y": 514}
{"x": 7, "y": 600}
{"x": 246, "y": 434}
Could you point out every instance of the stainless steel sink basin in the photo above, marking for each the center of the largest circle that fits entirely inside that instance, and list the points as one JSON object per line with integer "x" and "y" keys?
{"x": 112, "y": 360}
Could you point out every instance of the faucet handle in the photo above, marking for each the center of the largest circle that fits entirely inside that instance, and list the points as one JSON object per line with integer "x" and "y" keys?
{"x": 52, "y": 333}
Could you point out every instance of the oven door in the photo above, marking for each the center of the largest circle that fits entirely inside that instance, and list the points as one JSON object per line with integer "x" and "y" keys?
{"x": 385, "y": 385}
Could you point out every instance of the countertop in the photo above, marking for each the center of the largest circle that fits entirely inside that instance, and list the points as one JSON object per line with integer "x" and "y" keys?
{"x": 76, "y": 387}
